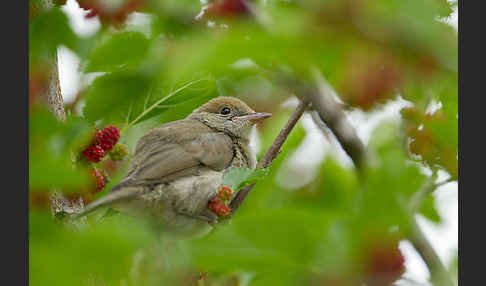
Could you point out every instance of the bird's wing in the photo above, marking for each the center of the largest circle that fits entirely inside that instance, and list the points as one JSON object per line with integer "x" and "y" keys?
{"x": 177, "y": 149}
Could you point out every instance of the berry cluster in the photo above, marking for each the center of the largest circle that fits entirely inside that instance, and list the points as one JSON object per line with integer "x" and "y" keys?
{"x": 104, "y": 141}
{"x": 218, "y": 204}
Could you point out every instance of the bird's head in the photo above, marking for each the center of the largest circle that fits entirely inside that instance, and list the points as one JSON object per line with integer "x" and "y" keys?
{"x": 229, "y": 115}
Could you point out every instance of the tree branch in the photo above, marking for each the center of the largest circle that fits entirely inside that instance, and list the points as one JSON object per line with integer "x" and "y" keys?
{"x": 272, "y": 152}
{"x": 330, "y": 112}
{"x": 332, "y": 115}
{"x": 52, "y": 94}
{"x": 438, "y": 272}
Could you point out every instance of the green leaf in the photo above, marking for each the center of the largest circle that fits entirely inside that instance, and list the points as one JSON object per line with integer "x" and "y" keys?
{"x": 101, "y": 251}
{"x": 111, "y": 95}
{"x": 121, "y": 50}
{"x": 390, "y": 181}
{"x": 51, "y": 145}
{"x": 429, "y": 210}
{"x": 164, "y": 97}
{"x": 47, "y": 31}
{"x": 335, "y": 188}
{"x": 243, "y": 244}
{"x": 237, "y": 178}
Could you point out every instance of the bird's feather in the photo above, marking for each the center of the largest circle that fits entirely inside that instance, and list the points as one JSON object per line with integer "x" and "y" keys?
{"x": 175, "y": 150}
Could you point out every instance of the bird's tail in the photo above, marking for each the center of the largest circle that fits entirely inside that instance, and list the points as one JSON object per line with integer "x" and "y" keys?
{"x": 118, "y": 194}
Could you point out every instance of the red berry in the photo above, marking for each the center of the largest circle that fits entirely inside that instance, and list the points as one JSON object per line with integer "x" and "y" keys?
{"x": 227, "y": 8}
{"x": 94, "y": 153}
{"x": 225, "y": 193}
{"x": 107, "y": 137}
{"x": 222, "y": 210}
{"x": 385, "y": 263}
{"x": 214, "y": 203}
{"x": 110, "y": 13}
{"x": 99, "y": 179}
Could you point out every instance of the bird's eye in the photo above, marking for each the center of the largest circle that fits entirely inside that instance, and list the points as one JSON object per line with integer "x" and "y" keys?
{"x": 225, "y": 111}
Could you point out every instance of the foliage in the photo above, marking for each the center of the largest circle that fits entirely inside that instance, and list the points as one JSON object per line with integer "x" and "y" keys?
{"x": 237, "y": 178}
{"x": 316, "y": 234}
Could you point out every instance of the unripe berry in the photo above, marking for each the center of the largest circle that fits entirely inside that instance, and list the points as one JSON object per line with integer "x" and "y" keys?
{"x": 119, "y": 152}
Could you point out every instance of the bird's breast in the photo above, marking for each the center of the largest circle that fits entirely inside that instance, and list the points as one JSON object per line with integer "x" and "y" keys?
{"x": 243, "y": 156}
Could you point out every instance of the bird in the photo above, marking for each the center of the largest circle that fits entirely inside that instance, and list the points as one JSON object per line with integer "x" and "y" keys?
{"x": 178, "y": 167}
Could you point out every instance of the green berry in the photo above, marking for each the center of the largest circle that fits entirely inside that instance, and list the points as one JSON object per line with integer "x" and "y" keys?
{"x": 119, "y": 152}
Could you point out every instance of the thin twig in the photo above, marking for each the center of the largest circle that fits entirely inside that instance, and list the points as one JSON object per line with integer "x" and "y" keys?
{"x": 417, "y": 199}
{"x": 272, "y": 152}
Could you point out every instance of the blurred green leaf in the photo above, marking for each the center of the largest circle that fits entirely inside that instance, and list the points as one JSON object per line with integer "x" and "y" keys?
{"x": 164, "y": 97}
{"x": 47, "y": 31}
{"x": 237, "y": 178}
{"x": 265, "y": 242}
{"x": 103, "y": 250}
{"x": 454, "y": 267}
{"x": 334, "y": 188}
{"x": 429, "y": 210}
{"x": 51, "y": 145}
{"x": 120, "y": 50}
{"x": 110, "y": 95}
{"x": 391, "y": 182}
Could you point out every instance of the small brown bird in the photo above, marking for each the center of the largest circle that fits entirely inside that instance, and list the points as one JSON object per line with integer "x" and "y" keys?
{"x": 178, "y": 167}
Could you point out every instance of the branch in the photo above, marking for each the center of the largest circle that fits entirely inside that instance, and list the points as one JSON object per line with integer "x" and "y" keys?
{"x": 272, "y": 152}
{"x": 417, "y": 199}
{"x": 332, "y": 114}
{"x": 52, "y": 94}
{"x": 438, "y": 272}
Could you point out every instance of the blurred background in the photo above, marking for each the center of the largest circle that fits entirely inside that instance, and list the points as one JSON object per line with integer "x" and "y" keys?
{"x": 137, "y": 64}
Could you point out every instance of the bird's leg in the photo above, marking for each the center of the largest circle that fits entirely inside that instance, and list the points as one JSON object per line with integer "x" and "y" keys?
{"x": 206, "y": 215}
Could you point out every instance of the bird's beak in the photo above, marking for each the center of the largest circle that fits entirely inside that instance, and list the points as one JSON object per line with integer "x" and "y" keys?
{"x": 253, "y": 116}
